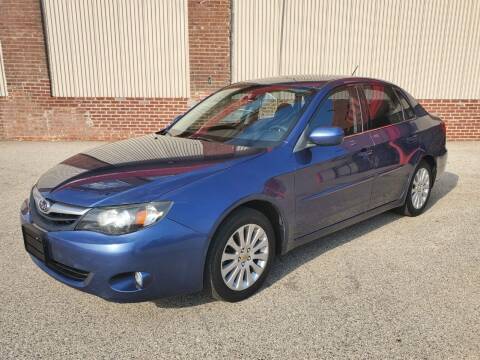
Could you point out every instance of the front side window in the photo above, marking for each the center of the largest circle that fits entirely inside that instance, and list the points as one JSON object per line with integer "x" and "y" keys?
{"x": 383, "y": 106}
{"x": 246, "y": 114}
{"x": 341, "y": 109}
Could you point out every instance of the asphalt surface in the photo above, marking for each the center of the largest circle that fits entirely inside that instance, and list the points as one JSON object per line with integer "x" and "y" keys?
{"x": 389, "y": 287}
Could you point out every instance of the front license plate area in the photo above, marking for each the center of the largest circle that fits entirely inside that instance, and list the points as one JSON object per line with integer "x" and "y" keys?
{"x": 35, "y": 242}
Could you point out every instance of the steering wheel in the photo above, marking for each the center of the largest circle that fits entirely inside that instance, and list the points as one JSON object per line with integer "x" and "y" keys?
{"x": 278, "y": 129}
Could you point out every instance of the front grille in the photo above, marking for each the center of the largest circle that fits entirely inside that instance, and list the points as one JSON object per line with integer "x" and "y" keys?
{"x": 49, "y": 223}
{"x": 59, "y": 218}
{"x": 56, "y": 220}
{"x": 68, "y": 271}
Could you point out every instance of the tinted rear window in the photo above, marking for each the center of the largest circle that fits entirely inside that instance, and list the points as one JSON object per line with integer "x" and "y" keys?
{"x": 384, "y": 108}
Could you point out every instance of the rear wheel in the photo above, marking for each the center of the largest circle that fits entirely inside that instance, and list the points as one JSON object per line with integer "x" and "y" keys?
{"x": 418, "y": 191}
{"x": 241, "y": 255}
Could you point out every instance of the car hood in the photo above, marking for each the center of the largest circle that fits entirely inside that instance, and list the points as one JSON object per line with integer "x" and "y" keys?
{"x": 137, "y": 170}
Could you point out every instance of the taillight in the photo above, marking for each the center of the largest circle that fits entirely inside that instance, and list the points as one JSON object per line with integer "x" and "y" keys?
{"x": 444, "y": 130}
{"x": 444, "y": 127}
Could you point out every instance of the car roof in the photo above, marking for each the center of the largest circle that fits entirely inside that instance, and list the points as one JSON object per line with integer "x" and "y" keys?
{"x": 294, "y": 78}
{"x": 320, "y": 81}
{"x": 309, "y": 78}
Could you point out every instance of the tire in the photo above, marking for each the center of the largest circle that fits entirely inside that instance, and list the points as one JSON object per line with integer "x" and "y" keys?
{"x": 241, "y": 276}
{"x": 416, "y": 204}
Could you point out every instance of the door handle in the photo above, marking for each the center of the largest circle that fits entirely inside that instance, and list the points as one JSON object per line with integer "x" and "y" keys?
{"x": 412, "y": 139}
{"x": 366, "y": 152}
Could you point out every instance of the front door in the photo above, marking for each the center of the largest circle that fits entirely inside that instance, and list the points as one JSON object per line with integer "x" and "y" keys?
{"x": 333, "y": 183}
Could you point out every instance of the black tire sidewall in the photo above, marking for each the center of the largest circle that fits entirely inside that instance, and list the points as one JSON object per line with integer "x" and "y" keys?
{"x": 409, "y": 203}
{"x": 239, "y": 218}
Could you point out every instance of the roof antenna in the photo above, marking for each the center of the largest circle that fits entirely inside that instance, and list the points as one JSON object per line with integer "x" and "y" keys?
{"x": 354, "y": 71}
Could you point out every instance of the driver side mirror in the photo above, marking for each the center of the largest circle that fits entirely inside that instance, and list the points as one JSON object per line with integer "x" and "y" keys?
{"x": 326, "y": 136}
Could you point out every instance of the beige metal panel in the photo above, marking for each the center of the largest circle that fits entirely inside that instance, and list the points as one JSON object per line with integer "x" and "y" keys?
{"x": 117, "y": 48}
{"x": 429, "y": 47}
{"x": 256, "y": 38}
{"x": 3, "y": 79}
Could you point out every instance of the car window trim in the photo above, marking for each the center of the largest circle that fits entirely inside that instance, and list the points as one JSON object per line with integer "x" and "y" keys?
{"x": 384, "y": 126}
{"x": 398, "y": 101}
{"x": 398, "y": 92}
{"x": 363, "y": 106}
{"x": 300, "y": 145}
{"x": 302, "y": 142}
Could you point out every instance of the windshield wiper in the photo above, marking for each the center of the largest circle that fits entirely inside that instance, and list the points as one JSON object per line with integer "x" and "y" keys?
{"x": 163, "y": 132}
{"x": 197, "y": 137}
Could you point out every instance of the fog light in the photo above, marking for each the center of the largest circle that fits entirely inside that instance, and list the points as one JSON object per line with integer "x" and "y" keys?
{"x": 139, "y": 280}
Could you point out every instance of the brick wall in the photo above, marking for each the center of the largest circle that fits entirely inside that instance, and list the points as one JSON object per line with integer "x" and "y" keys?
{"x": 30, "y": 113}
{"x": 462, "y": 117}
{"x": 209, "y": 42}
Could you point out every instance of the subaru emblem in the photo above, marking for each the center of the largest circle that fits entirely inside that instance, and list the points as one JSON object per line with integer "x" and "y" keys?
{"x": 44, "y": 205}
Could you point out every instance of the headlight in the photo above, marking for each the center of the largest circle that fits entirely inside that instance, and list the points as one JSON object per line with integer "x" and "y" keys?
{"x": 123, "y": 219}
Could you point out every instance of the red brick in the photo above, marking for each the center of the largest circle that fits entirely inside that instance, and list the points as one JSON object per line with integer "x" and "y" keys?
{"x": 459, "y": 116}
{"x": 30, "y": 113}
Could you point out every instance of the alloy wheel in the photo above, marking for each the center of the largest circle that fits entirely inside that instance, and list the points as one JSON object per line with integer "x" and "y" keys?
{"x": 420, "y": 188}
{"x": 244, "y": 257}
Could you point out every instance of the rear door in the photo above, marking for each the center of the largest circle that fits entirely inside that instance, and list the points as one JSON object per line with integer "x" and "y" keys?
{"x": 333, "y": 183}
{"x": 393, "y": 135}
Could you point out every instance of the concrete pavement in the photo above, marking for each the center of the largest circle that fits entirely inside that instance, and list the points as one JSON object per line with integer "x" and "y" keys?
{"x": 389, "y": 287}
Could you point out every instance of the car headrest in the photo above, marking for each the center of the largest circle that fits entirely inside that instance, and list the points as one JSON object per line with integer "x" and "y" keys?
{"x": 283, "y": 110}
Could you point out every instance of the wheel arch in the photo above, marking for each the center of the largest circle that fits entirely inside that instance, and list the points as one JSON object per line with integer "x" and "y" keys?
{"x": 274, "y": 216}
{"x": 419, "y": 156}
{"x": 433, "y": 165}
{"x": 269, "y": 208}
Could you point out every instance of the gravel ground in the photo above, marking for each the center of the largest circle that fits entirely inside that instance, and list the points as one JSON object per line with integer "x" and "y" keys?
{"x": 389, "y": 287}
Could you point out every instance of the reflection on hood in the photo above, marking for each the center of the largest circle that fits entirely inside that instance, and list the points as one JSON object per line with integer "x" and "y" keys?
{"x": 129, "y": 163}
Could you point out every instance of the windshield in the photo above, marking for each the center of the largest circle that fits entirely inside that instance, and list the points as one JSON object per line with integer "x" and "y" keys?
{"x": 246, "y": 114}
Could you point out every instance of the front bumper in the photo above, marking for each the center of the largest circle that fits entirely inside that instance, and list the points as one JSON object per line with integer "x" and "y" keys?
{"x": 169, "y": 254}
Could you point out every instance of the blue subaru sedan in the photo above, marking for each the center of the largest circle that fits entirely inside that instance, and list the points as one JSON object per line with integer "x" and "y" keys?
{"x": 251, "y": 172}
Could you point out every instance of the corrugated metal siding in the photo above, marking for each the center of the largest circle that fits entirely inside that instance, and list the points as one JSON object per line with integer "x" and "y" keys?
{"x": 3, "y": 79}
{"x": 431, "y": 48}
{"x": 117, "y": 48}
{"x": 256, "y": 38}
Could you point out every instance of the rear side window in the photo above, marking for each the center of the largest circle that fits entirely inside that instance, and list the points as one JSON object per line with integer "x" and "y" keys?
{"x": 384, "y": 108}
{"x": 342, "y": 109}
{"x": 407, "y": 109}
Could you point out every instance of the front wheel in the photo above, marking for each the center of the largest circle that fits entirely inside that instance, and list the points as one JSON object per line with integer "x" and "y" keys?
{"x": 241, "y": 255}
{"x": 418, "y": 191}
